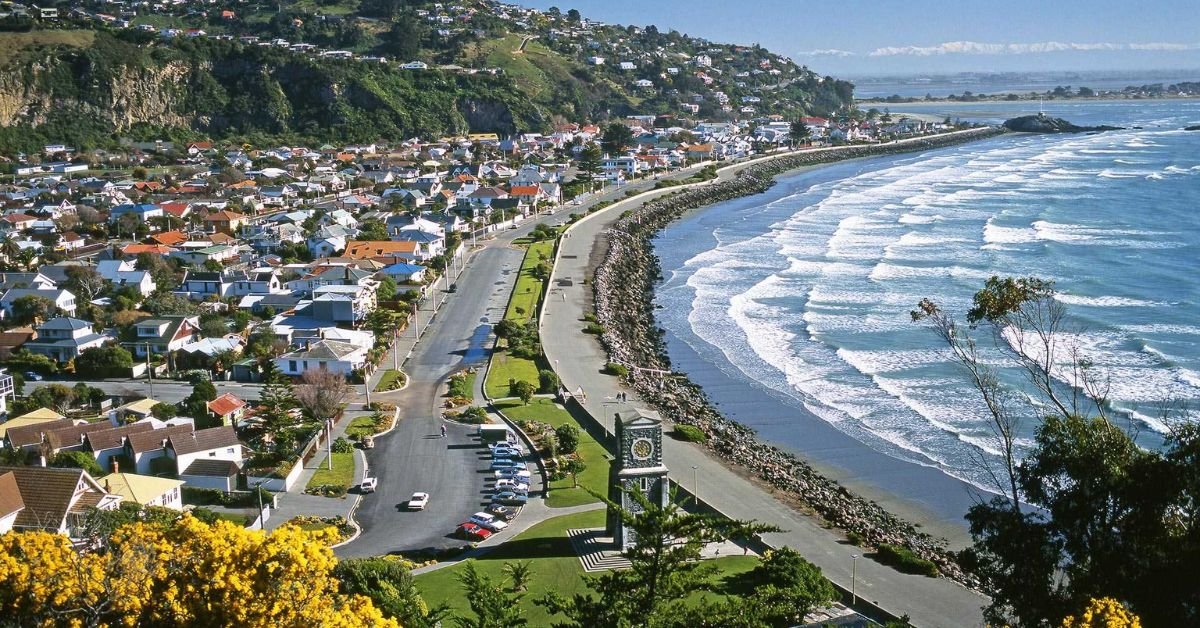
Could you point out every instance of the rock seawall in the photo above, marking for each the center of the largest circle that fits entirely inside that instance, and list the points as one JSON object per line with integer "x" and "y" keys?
{"x": 623, "y": 289}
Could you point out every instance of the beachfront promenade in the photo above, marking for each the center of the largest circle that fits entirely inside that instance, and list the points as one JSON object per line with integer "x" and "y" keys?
{"x": 578, "y": 358}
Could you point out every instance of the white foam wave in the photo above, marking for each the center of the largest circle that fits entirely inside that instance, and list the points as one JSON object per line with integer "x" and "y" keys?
{"x": 1104, "y": 301}
{"x": 915, "y": 219}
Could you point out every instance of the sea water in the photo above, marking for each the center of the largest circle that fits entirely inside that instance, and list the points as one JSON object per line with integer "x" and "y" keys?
{"x": 797, "y": 302}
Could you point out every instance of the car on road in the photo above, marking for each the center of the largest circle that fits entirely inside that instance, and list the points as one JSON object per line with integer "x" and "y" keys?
{"x": 509, "y": 498}
{"x": 33, "y": 376}
{"x": 505, "y": 463}
{"x": 505, "y": 443}
{"x": 513, "y": 474}
{"x": 368, "y": 485}
{"x": 507, "y": 452}
{"x": 512, "y": 485}
{"x": 368, "y": 442}
{"x": 472, "y": 532}
{"x": 418, "y": 501}
{"x": 507, "y": 455}
{"x": 504, "y": 512}
{"x": 487, "y": 520}
{"x": 453, "y": 288}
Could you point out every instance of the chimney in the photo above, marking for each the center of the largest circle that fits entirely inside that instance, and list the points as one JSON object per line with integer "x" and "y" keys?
{"x": 107, "y": 488}
{"x": 116, "y": 465}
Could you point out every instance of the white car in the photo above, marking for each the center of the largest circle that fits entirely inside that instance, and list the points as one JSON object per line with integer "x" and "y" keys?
{"x": 418, "y": 501}
{"x": 368, "y": 485}
{"x": 513, "y": 474}
{"x": 488, "y": 520}
{"x": 515, "y": 486}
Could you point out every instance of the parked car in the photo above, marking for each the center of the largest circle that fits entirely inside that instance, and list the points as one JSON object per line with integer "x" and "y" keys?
{"x": 368, "y": 442}
{"x": 418, "y": 501}
{"x": 503, "y": 512}
{"x": 32, "y": 376}
{"x": 488, "y": 520}
{"x": 513, "y": 474}
{"x": 453, "y": 288}
{"x": 506, "y": 463}
{"x": 368, "y": 485}
{"x": 472, "y": 532}
{"x": 505, "y": 444}
{"x": 515, "y": 486}
{"x": 507, "y": 452}
{"x": 509, "y": 498}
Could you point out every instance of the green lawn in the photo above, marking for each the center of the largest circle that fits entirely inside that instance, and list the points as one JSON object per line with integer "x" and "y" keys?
{"x": 11, "y": 44}
{"x": 505, "y": 367}
{"x": 391, "y": 380}
{"x": 341, "y": 475}
{"x": 235, "y": 518}
{"x": 563, "y": 493}
{"x": 555, "y": 567}
{"x": 359, "y": 428}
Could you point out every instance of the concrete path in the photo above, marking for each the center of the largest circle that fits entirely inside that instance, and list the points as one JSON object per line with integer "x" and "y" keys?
{"x": 578, "y": 358}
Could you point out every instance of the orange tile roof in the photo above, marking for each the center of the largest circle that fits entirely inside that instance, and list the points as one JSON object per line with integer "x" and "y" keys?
{"x": 224, "y": 215}
{"x": 369, "y": 249}
{"x": 175, "y": 208}
{"x": 169, "y": 238}
{"x": 225, "y": 404}
{"x": 153, "y": 249}
{"x": 525, "y": 190}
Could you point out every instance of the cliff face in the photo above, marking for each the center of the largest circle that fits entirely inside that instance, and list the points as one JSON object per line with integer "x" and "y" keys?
{"x": 220, "y": 89}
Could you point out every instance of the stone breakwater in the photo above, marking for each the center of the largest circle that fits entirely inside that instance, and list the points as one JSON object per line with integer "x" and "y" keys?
{"x": 623, "y": 288}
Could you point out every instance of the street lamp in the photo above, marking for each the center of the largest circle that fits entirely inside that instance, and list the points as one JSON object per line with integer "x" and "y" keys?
{"x": 262, "y": 525}
{"x": 696, "y": 485}
{"x": 853, "y": 579}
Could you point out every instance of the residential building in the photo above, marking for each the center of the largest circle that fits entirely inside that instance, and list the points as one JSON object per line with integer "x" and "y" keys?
{"x": 228, "y": 408}
{"x": 332, "y": 355}
{"x": 145, "y": 490}
{"x": 343, "y": 304}
{"x": 62, "y": 339}
{"x": 56, "y": 500}
{"x": 163, "y": 335}
{"x": 62, "y": 299}
{"x": 11, "y": 503}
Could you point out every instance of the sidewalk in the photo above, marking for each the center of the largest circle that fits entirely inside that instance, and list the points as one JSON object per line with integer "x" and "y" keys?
{"x": 295, "y": 502}
{"x": 928, "y": 601}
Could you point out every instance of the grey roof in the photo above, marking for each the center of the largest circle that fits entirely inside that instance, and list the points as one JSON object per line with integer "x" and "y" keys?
{"x": 212, "y": 468}
{"x": 324, "y": 350}
{"x": 65, "y": 323}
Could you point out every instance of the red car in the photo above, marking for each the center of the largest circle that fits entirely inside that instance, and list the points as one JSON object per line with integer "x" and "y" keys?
{"x": 472, "y": 532}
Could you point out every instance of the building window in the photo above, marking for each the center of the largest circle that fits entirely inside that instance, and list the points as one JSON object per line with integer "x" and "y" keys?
{"x": 292, "y": 365}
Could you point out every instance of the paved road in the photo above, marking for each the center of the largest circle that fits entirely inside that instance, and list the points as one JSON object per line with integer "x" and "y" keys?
{"x": 171, "y": 391}
{"x": 451, "y": 470}
{"x": 579, "y": 357}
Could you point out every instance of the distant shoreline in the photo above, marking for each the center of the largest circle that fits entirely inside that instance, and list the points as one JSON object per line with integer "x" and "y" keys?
{"x": 985, "y": 100}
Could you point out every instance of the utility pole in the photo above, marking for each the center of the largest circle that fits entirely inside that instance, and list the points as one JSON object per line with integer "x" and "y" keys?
{"x": 149, "y": 370}
{"x": 262, "y": 525}
{"x": 329, "y": 442}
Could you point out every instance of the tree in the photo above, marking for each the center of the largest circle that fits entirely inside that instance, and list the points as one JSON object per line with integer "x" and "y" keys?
{"x": 57, "y": 397}
{"x": 322, "y": 393}
{"x": 276, "y": 400}
{"x": 214, "y": 326}
{"x": 794, "y": 585}
{"x": 547, "y": 381}
{"x": 387, "y": 289}
{"x": 85, "y": 282}
{"x": 519, "y": 573}
{"x": 160, "y": 270}
{"x": 524, "y": 390}
{"x": 32, "y": 309}
{"x": 168, "y": 303}
{"x": 617, "y": 138}
{"x": 588, "y": 168}
{"x": 196, "y": 404}
{"x": 163, "y": 410}
{"x": 575, "y": 466}
{"x": 77, "y": 460}
{"x": 568, "y": 438}
{"x": 185, "y": 573}
{"x": 665, "y": 568}
{"x": 106, "y": 361}
{"x": 389, "y": 585}
{"x": 492, "y": 606}
{"x": 1103, "y": 613}
{"x": 372, "y": 231}
{"x": 798, "y": 133}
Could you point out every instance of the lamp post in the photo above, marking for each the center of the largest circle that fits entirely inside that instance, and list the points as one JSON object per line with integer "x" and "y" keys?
{"x": 262, "y": 525}
{"x": 696, "y": 485}
{"x": 853, "y": 579}
{"x": 329, "y": 442}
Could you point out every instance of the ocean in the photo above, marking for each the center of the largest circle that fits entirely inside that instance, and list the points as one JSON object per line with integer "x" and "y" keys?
{"x": 792, "y": 307}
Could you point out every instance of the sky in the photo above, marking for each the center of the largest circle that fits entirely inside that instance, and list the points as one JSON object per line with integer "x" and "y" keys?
{"x": 889, "y": 37}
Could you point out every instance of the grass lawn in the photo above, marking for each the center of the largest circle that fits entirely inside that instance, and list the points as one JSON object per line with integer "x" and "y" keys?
{"x": 528, "y": 290}
{"x": 563, "y": 493}
{"x": 391, "y": 380}
{"x": 341, "y": 475}
{"x": 506, "y": 367}
{"x": 237, "y": 519}
{"x": 555, "y": 567}
{"x": 361, "y": 427}
{"x": 13, "y": 43}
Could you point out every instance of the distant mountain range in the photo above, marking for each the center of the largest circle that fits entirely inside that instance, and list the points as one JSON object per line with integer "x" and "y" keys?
{"x": 371, "y": 69}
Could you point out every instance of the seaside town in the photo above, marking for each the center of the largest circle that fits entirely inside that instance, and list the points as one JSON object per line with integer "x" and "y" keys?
{"x": 347, "y": 313}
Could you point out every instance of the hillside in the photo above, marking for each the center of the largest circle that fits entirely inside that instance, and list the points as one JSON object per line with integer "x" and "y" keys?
{"x": 329, "y": 70}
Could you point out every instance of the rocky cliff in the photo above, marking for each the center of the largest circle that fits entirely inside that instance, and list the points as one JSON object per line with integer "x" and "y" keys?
{"x": 1042, "y": 123}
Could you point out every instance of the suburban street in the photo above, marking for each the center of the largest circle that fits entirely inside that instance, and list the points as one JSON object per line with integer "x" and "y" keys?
{"x": 169, "y": 390}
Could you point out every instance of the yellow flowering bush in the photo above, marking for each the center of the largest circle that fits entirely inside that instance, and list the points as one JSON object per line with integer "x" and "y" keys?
{"x": 1104, "y": 612}
{"x": 186, "y": 574}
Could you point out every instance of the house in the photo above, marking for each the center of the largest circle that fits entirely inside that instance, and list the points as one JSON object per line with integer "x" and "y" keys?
{"x": 430, "y": 244}
{"x": 172, "y": 449}
{"x": 132, "y": 412}
{"x": 221, "y": 475}
{"x": 62, "y": 299}
{"x": 105, "y": 441}
{"x": 57, "y": 500}
{"x": 388, "y": 252}
{"x": 332, "y": 355}
{"x": 406, "y": 273}
{"x": 142, "y": 212}
{"x": 11, "y": 502}
{"x": 200, "y": 253}
{"x": 145, "y": 490}
{"x": 228, "y": 408}
{"x": 258, "y": 281}
{"x": 29, "y": 436}
{"x": 163, "y": 335}
{"x": 343, "y": 304}
{"x": 62, "y": 339}
{"x": 203, "y": 284}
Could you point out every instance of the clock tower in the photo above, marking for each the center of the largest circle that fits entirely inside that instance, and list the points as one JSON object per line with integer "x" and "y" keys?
{"x": 639, "y": 463}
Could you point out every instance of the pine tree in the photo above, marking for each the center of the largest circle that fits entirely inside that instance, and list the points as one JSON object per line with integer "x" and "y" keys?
{"x": 276, "y": 400}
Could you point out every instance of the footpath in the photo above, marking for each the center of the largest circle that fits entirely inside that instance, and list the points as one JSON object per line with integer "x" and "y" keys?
{"x": 578, "y": 358}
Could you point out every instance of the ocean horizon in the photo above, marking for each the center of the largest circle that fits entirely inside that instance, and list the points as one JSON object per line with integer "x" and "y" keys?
{"x": 792, "y": 307}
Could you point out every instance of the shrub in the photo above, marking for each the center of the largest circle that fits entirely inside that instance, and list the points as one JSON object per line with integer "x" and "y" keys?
{"x": 474, "y": 415}
{"x": 547, "y": 381}
{"x": 856, "y": 539}
{"x": 593, "y": 328}
{"x": 612, "y": 368}
{"x": 568, "y": 438}
{"x": 690, "y": 433}
{"x": 904, "y": 560}
{"x": 458, "y": 386}
{"x": 342, "y": 446}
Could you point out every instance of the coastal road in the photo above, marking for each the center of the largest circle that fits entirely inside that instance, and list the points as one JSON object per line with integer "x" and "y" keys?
{"x": 411, "y": 458}
{"x": 578, "y": 358}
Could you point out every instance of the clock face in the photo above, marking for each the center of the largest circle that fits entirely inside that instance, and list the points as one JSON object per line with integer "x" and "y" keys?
{"x": 642, "y": 448}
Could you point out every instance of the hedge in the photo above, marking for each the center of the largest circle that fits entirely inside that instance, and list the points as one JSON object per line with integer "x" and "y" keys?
{"x": 904, "y": 560}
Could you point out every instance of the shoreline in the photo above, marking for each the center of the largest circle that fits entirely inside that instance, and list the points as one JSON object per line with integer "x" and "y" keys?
{"x": 989, "y": 101}
{"x": 623, "y": 296}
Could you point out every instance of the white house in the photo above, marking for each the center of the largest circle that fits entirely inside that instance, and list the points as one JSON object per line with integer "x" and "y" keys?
{"x": 145, "y": 490}
{"x": 332, "y": 355}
